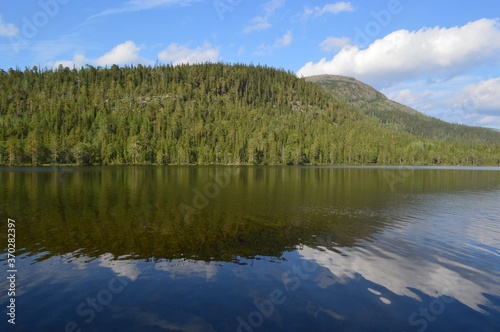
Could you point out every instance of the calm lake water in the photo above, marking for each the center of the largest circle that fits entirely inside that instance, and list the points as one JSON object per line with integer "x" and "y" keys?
{"x": 252, "y": 248}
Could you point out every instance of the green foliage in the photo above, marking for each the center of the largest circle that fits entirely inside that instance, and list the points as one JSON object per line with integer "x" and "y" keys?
{"x": 199, "y": 114}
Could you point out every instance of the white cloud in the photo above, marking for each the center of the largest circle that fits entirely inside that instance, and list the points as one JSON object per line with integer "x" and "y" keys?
{"x": 78, "y": 61}
{"x": 178, "y": 54}
{"x": 125, "y": 53}
{"x": 258, "y": 23}
{"x": 404, "y": 54}
{"x": 271, "y": 6}
{"x": 331, "y": 8}
{"x": 137, "y": 5}
{"x": 489, "y": 121}
{"x": 477, "y": 103}
{"x": 8, "y": 29}
{"x": 261, "y": 22}
{"x": 415, "y": 98}
{"x": 148, "y": 4}
{"x": 129, "y": 53}
{"x": 122, "y": 54}
{"x": 482, "y": 96}
{"x": 464, "y": 99}
{"x": 284, "y": 41}
{"x": 332, "y": 43}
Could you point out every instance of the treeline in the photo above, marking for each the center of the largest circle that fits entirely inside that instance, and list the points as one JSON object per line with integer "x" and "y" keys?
{"x": 198, "y": 114}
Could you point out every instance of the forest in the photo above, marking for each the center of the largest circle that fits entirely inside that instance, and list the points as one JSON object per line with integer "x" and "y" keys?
{"x": 210, "y": 113}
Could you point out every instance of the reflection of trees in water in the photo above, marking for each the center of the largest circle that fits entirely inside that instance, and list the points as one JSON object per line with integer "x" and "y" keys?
{"x": 262, "y": 211}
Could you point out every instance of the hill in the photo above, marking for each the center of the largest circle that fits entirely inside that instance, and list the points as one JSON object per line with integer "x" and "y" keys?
{"x": 200, "y": 114}
{"x": 402, "y": 118}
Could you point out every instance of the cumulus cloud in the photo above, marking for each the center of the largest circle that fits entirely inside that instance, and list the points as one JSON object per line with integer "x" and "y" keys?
{"x": 332, "y": 43}
{"x": 8, "y": 29}
{"x": 404, "y": 54}
{"x": 179, "y": 54}
{"x": 122, "y": 54}
{"x": 331, "y": 8}
{"x": 127, "y": 52}
{"x": 261, "y": 22}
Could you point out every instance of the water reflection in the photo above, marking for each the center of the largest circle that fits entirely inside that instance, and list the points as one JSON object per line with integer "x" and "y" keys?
{"x": 261, "y": 211}
{"x": 437, "y": 245}
{"x": 385, "y": 242}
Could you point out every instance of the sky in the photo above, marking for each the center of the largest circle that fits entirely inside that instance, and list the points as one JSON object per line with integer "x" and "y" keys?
{"x": 439, "y": 57}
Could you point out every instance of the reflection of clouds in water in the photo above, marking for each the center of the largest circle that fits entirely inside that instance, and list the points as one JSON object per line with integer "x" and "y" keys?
{"x": 179, "y": 268}
{"x": 80, "y": 261}
{"x": 383, "y": 299}
{"x": 123, "y": 268}
{"x": 489, "y": 232}
{"x": 400, "y": 273}
{"x": 45, "y": 269}
{"x": 464, "y": 218}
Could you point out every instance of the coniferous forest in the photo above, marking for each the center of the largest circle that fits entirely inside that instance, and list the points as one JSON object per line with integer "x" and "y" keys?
{"x": 200, "y": 114}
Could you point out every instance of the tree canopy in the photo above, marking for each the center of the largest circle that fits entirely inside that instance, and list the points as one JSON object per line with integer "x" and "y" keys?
{"x": 200, "y": 114}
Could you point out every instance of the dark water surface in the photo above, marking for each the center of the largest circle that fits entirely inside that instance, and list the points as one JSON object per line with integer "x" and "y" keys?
{"x": 252, "y": 248}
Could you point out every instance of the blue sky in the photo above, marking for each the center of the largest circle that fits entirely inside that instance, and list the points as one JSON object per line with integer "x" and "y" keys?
{"x": 440, "y": 57}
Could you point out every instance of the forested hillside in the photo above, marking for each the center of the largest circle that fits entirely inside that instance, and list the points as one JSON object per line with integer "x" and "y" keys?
{"x": 199, "y": 114}
{"x": 402, "y": 118}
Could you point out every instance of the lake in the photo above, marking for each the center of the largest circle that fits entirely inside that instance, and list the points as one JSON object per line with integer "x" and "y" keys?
{"x": 206, "y": 248}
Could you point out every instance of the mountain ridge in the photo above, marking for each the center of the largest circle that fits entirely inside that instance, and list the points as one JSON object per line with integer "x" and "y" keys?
{"x": 403, "y": 118}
